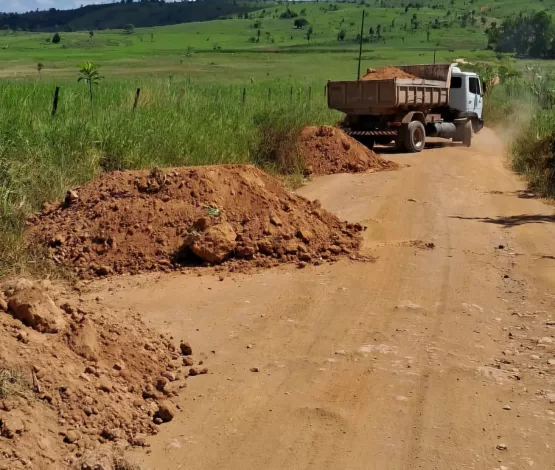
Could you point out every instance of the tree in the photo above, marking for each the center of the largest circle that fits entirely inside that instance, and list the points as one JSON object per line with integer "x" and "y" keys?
{"x": 371, "y": 31}
{"x": 56, "y": 38}
{"x": 91, "y": 34}
{"x": 88, "y": 72}
{"x": 300, "y": 23}
{"x": 303, "y": 12}
{"x": 309, "y": 33}
{"x": 428, "y": 35}
{"x": 257, "y": 35}
{"x": 40, "y": 66}
{"x": 379, "y": 30}
{"x": 129, "y": 29}
{"x": 341, "y": 35}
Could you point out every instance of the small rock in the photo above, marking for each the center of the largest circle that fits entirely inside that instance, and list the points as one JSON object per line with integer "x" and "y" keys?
{"x": 249, "y": 346}
{"x": 535, "y": 357}
{"x": 138, "y": 440}
{"x": 169, "y": 375}
{"x": 215, "y": 244}
{"x": 105, "y": 384}
{"x": 85, "y": 341}
{"x": 188, "y": 361}
{"x": 546, "y": 340}
{"x": 501, "y": 247}
{"x": 104, "y": 270}
{"x": 255, "y": 369}
{"x": 157, "y": 420}
{"x": 411, "y": 200}
{"x": 194, "y": 371}
{"x": 72, "y": 436}
{"x": 501, "y": 446}
{"x": 551, "y": 362}
{"x": 276, "y": 221}
{"x": 186, "y": 349}
{"x": 341, "y": 352}
{"x": 3, "y": 305}
{"x": 161, "y": 383}
{"x": 23, "y": 336}
{"x": 11, "y": 426}
{"x": 36, "y": 309}
{"x": 119, "y": 366}
{"x": 507, "y": 407}
{"x": 166, "y": 412}
{"x": 548, "y": 322}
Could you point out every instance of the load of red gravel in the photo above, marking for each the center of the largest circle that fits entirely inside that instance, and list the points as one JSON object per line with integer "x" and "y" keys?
{"x": 231, "y": 215}
{"x": 387, "y": 73}
{"x": 326, "y": 150}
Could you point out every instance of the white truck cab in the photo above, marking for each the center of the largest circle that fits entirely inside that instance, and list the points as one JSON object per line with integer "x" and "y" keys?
{"x": 466, "y": 92}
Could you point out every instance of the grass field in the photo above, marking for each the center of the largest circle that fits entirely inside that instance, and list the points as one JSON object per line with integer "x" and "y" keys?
{"x": 192, "y": 79}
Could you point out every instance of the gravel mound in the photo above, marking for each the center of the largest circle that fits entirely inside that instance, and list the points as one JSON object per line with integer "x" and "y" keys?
{"x": 235, "y": 216}
{"x": 100, "y": 378}
{"x": 386, "y": 73}
{"x": 328, "y": 150}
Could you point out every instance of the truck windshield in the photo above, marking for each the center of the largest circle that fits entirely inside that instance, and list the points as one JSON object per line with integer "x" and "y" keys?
{"x": 456, "y": 82}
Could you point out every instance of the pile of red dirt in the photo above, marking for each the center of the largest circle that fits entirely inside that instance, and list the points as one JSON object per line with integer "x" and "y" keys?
{"x": 236, "y": 215}
{"x": 327, "y": 150}
{"x": 76, "y": 379}
{"x": 386, "y": 73}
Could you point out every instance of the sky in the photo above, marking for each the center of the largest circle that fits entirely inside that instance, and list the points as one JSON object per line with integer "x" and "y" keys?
{"x": 20, "y": 6}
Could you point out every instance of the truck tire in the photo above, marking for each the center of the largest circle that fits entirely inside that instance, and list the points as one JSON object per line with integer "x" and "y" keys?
{"x": 467, "y": 134}
{"x": 415, "y": 137}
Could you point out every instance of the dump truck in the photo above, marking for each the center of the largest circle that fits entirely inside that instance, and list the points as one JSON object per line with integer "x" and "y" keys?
{"x": 440, "y": 101}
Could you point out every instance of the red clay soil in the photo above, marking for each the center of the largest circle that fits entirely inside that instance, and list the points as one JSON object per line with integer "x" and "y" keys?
{"x": 386, "y": 73}
{"x": 327, "y": 150}
{"x": 235, "y": 215}
{"x": 76, "y": 377}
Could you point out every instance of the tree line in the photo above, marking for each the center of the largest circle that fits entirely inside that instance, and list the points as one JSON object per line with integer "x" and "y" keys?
{"x": 528, "y": 35}
{"x": 116, "y": 15}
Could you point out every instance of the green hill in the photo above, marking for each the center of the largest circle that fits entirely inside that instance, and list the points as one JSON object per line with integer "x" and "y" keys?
{"x": 117, "y": 15}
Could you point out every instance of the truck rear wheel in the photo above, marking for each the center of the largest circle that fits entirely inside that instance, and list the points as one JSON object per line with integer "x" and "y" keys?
{"x": 415, "y": 137}
{"x": 467, "y": 134}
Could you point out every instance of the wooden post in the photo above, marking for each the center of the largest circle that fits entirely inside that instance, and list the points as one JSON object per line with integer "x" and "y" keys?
{"x": 55, "y": 102}
{"x": 244, "y": 95}
{"x": 269, "y": 94}
{"x": 360, "y": 48}
{"x": 435, "y": 56}
{"x": 136, "y": 99}
{"x": 291, "y": 95}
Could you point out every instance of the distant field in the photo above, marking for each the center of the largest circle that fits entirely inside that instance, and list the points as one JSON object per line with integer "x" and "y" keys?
{"x": 229, "y": 49}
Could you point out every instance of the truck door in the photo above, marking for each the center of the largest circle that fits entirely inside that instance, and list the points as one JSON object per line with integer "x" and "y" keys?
{"x": 475, "y": 100}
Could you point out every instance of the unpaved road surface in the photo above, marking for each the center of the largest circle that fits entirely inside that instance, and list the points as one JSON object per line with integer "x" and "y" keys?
{"x": 424, "y": 359}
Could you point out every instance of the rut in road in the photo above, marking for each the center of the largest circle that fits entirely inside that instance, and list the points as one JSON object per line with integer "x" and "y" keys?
{"x": 426, "y": 359}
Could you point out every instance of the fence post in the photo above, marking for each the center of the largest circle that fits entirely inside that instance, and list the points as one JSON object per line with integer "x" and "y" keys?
{"x": 136, "y": 99}
{"x": 269, "y": 94}
{"x": 244, "y": 95}
{"x": 55, "y": 102}
{"x": 291, "y": 95}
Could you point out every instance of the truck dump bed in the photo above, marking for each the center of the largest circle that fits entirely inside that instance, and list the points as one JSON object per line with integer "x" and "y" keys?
{"x": 429, "y": 90}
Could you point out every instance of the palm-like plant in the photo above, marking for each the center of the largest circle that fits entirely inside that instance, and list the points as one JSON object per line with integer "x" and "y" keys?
{"x": 88, "y": 72}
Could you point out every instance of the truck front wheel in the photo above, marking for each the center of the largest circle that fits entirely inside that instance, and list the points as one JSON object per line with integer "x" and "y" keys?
{"x": 415, "y": 137}
{"x": 467, "y": 134}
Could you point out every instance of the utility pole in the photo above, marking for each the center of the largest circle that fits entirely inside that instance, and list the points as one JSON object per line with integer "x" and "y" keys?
{"x": 360, "y": 48}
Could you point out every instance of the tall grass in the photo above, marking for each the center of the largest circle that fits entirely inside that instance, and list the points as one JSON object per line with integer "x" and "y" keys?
{"x": 174, "y": 124}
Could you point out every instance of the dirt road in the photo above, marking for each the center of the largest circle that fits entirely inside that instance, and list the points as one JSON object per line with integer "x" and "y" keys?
{"x": 428, "y": 358}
